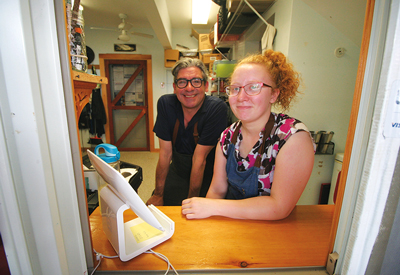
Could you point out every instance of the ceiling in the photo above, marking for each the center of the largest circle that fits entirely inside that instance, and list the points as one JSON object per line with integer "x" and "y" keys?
{"x": 160, "y": 15}
{"x": 164, "y": 15}
{"x": 104, "y": 13}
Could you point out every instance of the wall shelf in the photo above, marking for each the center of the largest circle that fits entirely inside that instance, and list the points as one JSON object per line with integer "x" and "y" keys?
{"x": 80, "y": 76}
{"x": 83, "y": 85}
{"x": 243, "y": 14}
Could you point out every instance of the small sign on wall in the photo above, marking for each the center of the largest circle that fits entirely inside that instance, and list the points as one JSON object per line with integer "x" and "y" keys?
{"x": 392, "y": 122}
{"x": 125, "y": 47}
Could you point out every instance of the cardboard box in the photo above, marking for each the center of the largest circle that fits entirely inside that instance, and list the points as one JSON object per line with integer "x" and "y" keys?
{"x": 204, "y": 42}
{"x": 209, "y": 58}
{"x": 194, "y": 34}
{"x": 170, "y": 58}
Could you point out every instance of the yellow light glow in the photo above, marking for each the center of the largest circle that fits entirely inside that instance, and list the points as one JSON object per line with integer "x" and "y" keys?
{"x": 200, "y": 11}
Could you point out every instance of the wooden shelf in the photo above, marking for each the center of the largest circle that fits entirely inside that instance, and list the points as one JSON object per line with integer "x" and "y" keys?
{"x": 79, "y": 76}
{"x": 83, "y": 86}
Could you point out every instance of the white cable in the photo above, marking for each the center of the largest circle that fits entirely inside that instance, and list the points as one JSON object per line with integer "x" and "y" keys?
{"x": 94, "y": 270}
{"x": 100, "y": 256}
{"x": 161, "y": 256}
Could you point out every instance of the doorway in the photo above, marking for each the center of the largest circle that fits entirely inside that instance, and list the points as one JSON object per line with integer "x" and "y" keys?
{"x": 128, "y": 100}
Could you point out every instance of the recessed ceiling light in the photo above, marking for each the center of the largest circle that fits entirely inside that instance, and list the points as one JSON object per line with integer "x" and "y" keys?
{"x": 200, "y": 11}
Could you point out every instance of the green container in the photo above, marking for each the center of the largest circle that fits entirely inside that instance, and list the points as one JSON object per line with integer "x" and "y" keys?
{"x": 224, "y": 68}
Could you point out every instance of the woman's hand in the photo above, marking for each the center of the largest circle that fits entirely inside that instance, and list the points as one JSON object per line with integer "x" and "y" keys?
{"x": 198, "y": 208}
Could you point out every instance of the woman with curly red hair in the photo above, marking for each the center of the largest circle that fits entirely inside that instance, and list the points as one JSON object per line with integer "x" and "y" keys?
{"x": 265, "y": 159}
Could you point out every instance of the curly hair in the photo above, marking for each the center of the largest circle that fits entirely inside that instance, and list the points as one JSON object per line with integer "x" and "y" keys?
{"x": 287, "y": 80}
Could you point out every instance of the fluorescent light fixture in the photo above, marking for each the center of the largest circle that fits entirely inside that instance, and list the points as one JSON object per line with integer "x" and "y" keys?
{"x": 200, "y": 11}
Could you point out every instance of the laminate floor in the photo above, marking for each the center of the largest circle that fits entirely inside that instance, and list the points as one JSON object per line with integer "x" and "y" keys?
{"x": 148, "y": 162}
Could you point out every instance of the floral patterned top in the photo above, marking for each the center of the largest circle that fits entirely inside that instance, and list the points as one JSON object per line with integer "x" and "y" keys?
{"x": 282, "y": 130}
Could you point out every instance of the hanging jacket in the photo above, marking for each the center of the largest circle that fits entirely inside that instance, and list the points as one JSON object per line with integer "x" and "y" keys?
{"x": 99, "y": 117}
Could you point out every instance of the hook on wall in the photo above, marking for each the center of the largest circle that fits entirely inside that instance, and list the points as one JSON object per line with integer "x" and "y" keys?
{"x": 339, "y": 52}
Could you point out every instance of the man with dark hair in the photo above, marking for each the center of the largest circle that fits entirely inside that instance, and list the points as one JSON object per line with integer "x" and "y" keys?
{"x": 188, "y": 126}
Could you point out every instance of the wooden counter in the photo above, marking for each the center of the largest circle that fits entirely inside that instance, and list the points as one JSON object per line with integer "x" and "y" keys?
{"x": 301, "y": 240}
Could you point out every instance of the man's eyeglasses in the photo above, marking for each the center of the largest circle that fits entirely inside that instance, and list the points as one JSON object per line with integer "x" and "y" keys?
{"x": 250, "y": 89}
{"x": 183, "y": 82}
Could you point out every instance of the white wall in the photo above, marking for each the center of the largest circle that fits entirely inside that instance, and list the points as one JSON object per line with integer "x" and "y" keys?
{"x": 283, "y": 24}
{"x": 329, "y": 81}
{"x": 309, "y": 41}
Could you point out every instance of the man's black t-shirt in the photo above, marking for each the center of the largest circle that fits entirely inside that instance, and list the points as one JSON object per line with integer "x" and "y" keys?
{"x": 211, "y": 118}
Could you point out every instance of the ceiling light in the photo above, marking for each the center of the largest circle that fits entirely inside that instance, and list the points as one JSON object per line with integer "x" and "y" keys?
{"x": 123, "y": 36}
{"x": 200, "y": 11}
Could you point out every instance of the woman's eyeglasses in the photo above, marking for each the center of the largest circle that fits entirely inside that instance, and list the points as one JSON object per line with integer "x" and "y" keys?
{"x": 183, "y": 82}
{"x": 250, "y": 89}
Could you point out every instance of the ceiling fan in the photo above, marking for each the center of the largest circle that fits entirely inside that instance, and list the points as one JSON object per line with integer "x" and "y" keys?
{"x": 123, "y": 29}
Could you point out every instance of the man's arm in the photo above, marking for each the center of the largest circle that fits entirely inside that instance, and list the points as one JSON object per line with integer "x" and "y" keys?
{"x": 162, "y": 169}
{"x": 198, "y": 165}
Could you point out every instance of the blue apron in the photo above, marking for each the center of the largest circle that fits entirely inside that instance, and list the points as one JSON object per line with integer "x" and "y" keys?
{"x": 244, "y": 184}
